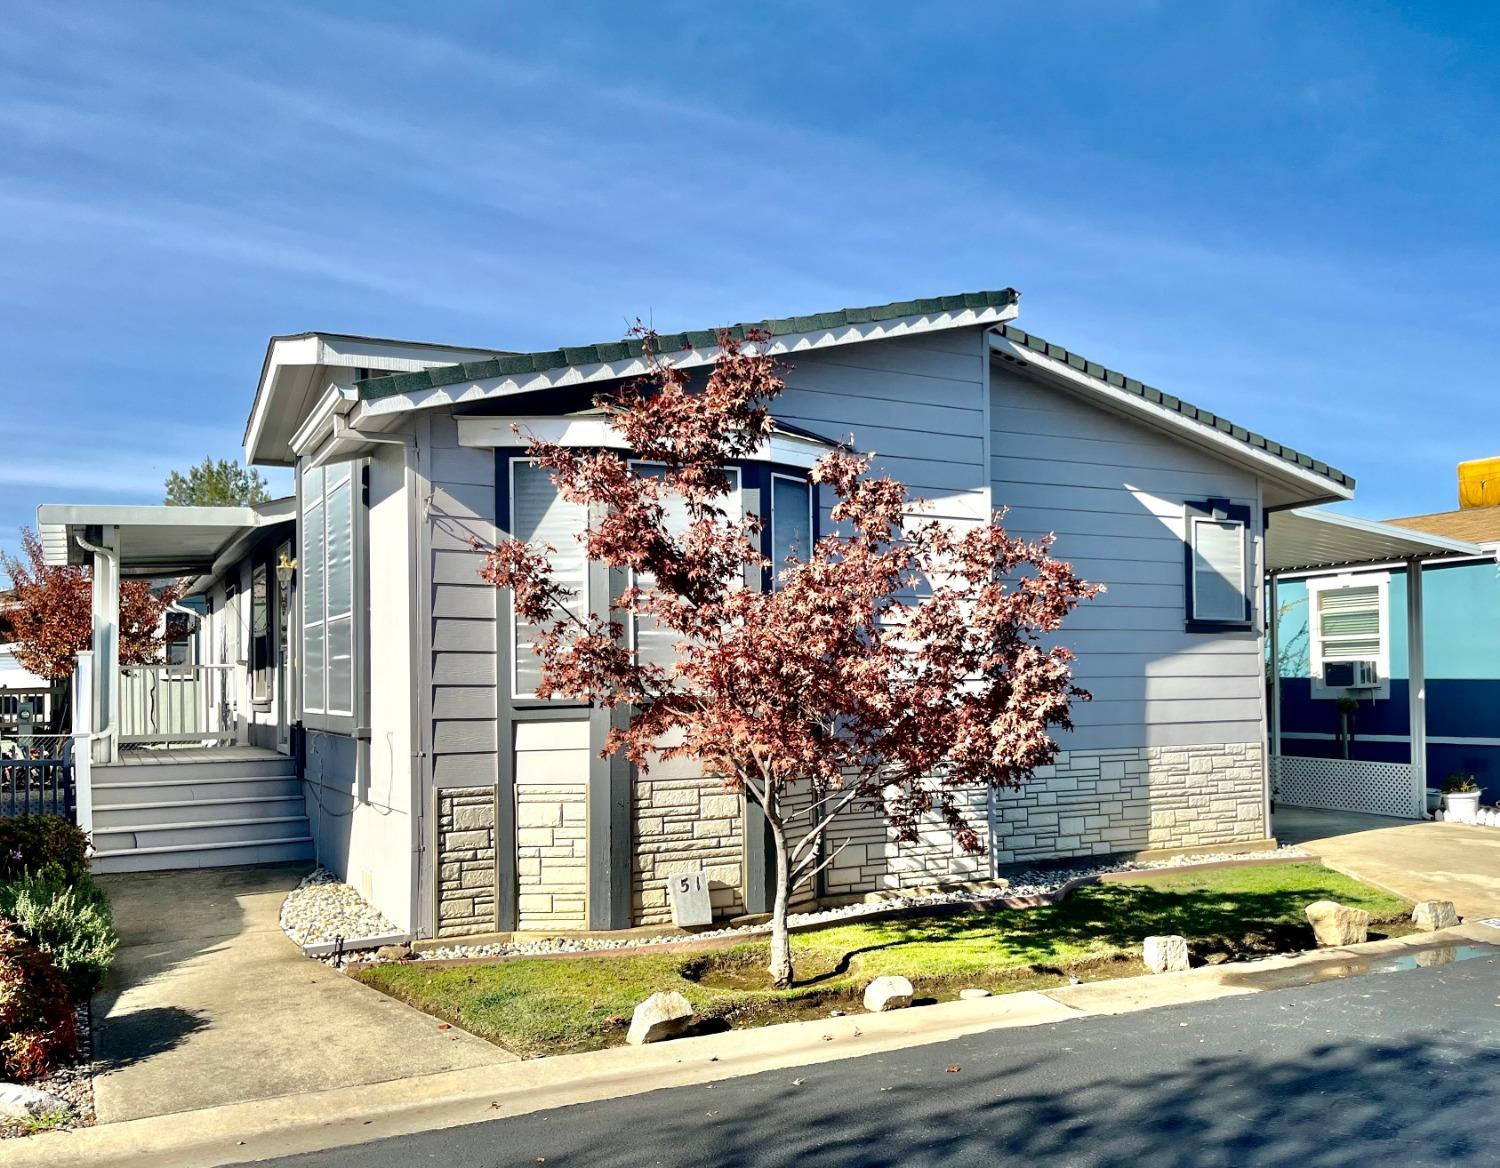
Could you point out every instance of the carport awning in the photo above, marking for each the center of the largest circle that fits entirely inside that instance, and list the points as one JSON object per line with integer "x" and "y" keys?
{"x": 155, "y": 541}
{"x": 1313, "y": 537}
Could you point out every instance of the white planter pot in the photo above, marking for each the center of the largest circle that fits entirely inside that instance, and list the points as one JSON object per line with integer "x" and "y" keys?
{"x": 1462, "y": 806}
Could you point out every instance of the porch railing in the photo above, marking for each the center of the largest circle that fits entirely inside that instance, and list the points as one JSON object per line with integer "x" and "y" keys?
{"x": 36, "y": 775}
{"x": 177, "y": 703}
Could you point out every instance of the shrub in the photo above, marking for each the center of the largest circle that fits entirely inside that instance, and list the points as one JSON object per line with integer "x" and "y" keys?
{"x": 72, "y": 925}
{"x": 37, "y": 1028}
{"x": 45, "y": 846}
{"x": 1459, "y": 784}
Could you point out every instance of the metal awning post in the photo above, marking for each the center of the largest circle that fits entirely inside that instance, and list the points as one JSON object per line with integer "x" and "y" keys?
{"x": 1416, "y": 685}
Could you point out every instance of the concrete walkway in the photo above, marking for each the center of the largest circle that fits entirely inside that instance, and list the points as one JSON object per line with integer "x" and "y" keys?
{"x": 210, "y": 1004}
{"x": 1420, "y": 861}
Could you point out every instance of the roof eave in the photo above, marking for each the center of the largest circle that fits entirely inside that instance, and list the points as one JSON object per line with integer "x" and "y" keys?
{"x": 1167, "y": 412}
{"x": 629, "y": 364}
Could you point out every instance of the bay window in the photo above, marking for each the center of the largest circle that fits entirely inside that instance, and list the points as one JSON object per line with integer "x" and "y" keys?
{"x": 330, "y": 505}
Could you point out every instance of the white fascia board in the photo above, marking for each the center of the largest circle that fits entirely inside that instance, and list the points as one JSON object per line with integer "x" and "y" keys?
{"x": 784, "y": 345}
{"x": 280, "y": 351}
{"x": 1267, "y": 465}
{"x": 336, "y": 350}
{"x": 157, "y": 515}
{"x": 515, "y": 433}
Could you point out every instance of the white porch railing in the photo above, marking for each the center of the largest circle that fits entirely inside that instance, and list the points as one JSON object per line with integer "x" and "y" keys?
{"x": 177, "y": 703}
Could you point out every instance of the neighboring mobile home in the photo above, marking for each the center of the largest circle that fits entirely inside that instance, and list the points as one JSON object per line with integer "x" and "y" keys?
{"x": 382, "y": 671}
{"x": 1346, "y": 668}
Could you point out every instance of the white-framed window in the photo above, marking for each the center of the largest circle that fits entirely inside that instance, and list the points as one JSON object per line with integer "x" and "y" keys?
{"x": 791, "y": 522}
{"x": 327, "y": 571}
{"x": 651, "y": 642}
{"x": 1218, "y": 566}
{"x": 1348, "y": 619}
{"x": 539, "y": 515}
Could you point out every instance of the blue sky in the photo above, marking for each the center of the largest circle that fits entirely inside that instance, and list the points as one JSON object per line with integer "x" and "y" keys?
{"x": 1285, "y": 212}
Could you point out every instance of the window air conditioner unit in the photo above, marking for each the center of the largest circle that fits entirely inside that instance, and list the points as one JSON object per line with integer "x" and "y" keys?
{"x": 1351, "y": 675}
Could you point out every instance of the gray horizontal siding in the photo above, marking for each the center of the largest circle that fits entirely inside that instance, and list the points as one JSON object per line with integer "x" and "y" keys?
{"x": 465, "y": 617}
{"x": 1113, "y": 492}
{"x": 918, "y": 404}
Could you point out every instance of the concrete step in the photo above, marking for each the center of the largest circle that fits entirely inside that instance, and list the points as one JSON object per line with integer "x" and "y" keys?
{"x": 229, "y": 807}
{"x": 186, "y": 789}
{"x": 205, "y": 833}
{"x": 166, "y": 859}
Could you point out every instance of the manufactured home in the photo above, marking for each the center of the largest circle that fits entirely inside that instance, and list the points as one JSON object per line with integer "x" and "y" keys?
{"x": 357, "y": 695}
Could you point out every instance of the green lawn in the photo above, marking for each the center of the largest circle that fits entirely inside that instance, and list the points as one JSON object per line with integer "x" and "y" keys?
{"x": 547, "y": 1006}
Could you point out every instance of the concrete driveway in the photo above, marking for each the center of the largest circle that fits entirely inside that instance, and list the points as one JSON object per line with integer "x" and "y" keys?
{"x": 209, "y": 1003}
{"x": 1420, "y": 861}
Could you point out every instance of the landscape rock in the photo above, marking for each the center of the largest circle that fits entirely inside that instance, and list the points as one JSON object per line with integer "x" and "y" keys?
{"x": 1430, "y": 915}
{"x": 659, "y": 1017}
{"x": 887, "y": 993}
{"x": 18, "y": 1101}
{"x": 1166, "y": 954}
{"x": 969, "y": 995}
{"x": 394, "y": 953}
{"x": 1335, "y": 924}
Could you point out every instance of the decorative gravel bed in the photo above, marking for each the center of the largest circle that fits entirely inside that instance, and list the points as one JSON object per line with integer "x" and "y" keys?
{"x": 322, "y": 908}
{"x": 1028, "y": 882}
{"x": 73, "y": 1084}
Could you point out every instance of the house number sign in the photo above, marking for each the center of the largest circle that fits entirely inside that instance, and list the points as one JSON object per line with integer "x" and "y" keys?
{"x": 690, "y": 902}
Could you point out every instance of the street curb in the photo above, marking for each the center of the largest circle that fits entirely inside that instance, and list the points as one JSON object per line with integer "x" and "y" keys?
{"x": 294, "y": 1124}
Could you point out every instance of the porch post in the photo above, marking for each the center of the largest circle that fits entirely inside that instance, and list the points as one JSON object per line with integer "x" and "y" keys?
{"x": 106, "y": 642}
{"x": 83, "y": 737}
{"x": 1416, "y": 670}
{"x": 1273, "y": 631}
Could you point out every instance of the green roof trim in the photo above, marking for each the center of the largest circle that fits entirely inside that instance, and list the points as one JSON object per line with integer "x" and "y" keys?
{"x": 605, "y": 352}
{"x": 1152, "y": 394}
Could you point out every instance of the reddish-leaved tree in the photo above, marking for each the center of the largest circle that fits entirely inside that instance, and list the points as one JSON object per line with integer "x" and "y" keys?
{"x": 51, "y": 613}
{"x": 899, "y": 667}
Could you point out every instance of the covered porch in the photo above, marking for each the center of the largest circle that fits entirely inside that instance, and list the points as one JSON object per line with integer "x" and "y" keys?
{"x": 1306, "y": 542}
{"x": 168, "y": 769}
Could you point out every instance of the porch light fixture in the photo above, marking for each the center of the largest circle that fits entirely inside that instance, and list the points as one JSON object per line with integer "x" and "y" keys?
{"x": 286, "y": 569}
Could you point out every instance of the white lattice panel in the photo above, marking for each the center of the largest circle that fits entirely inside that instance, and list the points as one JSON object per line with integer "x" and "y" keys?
{"x": 1346, "y": 784}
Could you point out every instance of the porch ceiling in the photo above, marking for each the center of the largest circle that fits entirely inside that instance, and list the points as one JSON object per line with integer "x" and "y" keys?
{"x": 154, "y": 541}
{"x": 1312, "y": 537}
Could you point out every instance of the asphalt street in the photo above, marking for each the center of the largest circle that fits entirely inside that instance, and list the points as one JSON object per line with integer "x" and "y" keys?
{"x": 1397, "y": 1068}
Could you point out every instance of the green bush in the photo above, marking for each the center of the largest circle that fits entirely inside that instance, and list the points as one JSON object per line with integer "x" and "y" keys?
{"x": 71, "y": 924}
{"x": 37, "y": 1022}
{"x": 45, "y": 846}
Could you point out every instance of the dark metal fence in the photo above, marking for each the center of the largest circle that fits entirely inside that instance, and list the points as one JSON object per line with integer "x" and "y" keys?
{"x": 36, "y": 776}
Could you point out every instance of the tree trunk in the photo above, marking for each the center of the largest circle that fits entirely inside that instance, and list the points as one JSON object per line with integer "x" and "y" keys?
{"x": 781, "y": 942}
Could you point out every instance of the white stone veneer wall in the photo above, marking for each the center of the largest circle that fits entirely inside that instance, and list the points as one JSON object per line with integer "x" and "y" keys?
{"x": 1097, "y": 802}
{"x": 681, "y": 822}
{"x": 871, "y": 860}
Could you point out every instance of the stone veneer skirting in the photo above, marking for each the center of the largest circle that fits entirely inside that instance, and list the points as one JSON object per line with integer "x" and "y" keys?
{"x": 1096, "y": 802}
{"x": 466, "y": 900}
{"x": 679, "y": 823}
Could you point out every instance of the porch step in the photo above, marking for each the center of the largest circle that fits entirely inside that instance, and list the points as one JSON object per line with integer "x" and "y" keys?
{"x": 257, "y": 806}
{"x": 199, "y": 813}
{"x": 166, "y": 859}
{"x": 154, "y": 791}
{"x": 199, "y": 834}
